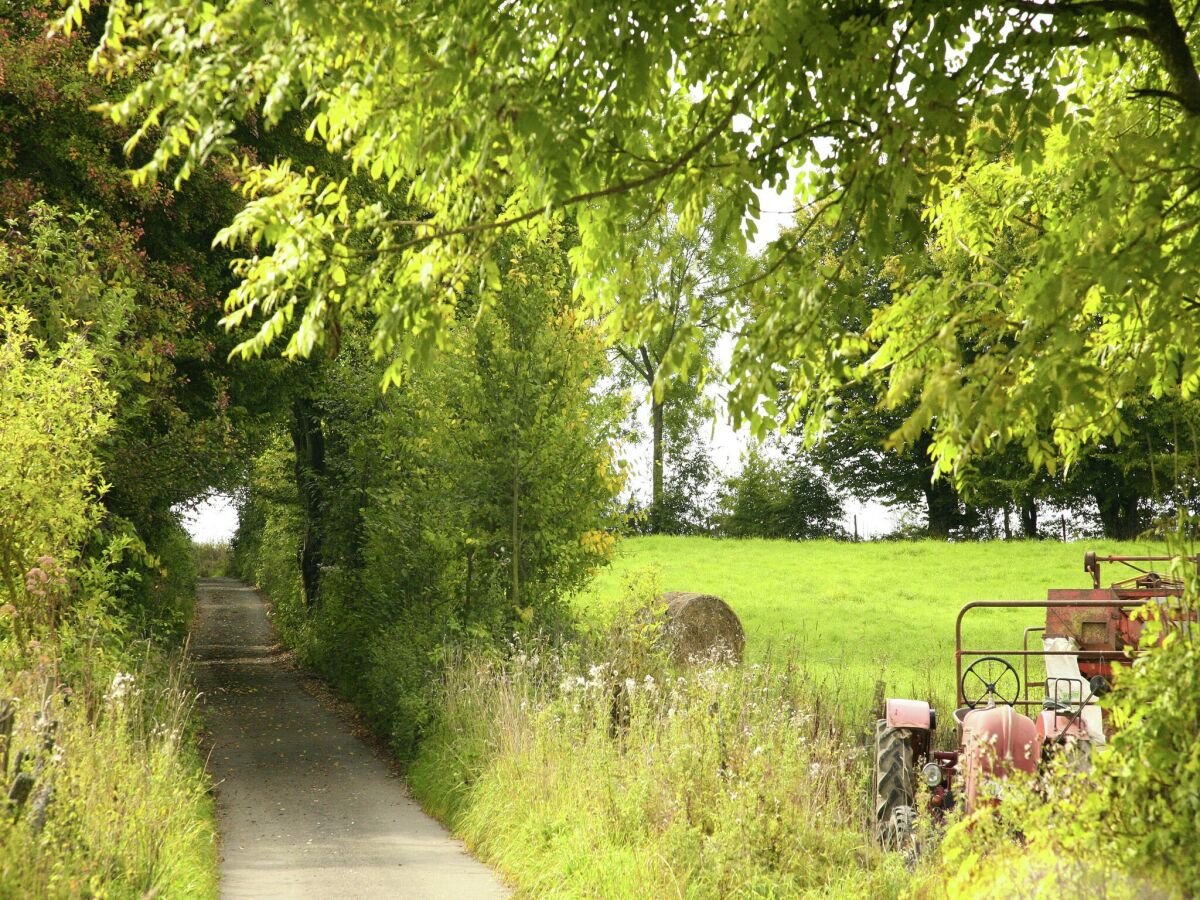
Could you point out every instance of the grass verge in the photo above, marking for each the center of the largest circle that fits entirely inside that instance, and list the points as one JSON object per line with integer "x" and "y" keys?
{"x": 119, "y": 803}
{"x": 716, "y": 782}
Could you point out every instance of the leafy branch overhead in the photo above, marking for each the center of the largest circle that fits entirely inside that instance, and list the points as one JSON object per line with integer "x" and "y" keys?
{"x": 1060, "y": 134}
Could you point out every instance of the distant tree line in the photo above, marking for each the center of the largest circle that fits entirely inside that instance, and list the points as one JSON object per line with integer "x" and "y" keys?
{"x": 1117, "y": 491}
{"x": 1115, "y": 488}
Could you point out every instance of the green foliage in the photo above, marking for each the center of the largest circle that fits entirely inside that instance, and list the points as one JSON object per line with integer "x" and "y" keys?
{"x": 870, "y": 449}
{"x": 891, "y": 113}
{"x": 1143, "y": 809}
{"x": 81, "y": 244}
{"x": 1064, "y": 276}
{"x": 464, "y": 503}
{"x": 778, "y": 499}
{"x": 127, "y": 811}
{"x": 79, "y": 403}
{"x": 687, "y": 495}
{"x": 129, "y": 814}
{"x": 212, "y": 559}
{"x": 54, "y": 409}
{"x": 679, "y": 279}
{"x": 1025, "y": 846}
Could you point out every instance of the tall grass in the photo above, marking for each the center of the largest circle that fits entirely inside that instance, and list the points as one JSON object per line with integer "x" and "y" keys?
{"x": 213, "y": 559}
{"x": 128, "y": 813}
{"x": 577, "y": 774}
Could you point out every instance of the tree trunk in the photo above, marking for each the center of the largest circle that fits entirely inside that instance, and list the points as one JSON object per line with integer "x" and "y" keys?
{"x": 941, "y": 499}
{"x": 1007, "y": 522}
{"x": 941, "y": 504}
{"x": 1171, "y": 40}
{"x": 656, "y": 497}
{"x": 516, "y": 533}
{"x": 1029, "y": 522}
{"x": 309, "y": 442}
{"x": 1120, "y": 512}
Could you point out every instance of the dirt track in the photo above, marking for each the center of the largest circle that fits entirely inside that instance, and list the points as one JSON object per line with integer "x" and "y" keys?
{"x": 305, "y": 809}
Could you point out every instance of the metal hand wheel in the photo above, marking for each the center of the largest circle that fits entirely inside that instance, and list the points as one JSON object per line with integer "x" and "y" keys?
{"x": 990, "y": 677}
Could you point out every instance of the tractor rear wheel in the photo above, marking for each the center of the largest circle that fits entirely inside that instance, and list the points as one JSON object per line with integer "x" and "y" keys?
{"x": 895, "y": 800}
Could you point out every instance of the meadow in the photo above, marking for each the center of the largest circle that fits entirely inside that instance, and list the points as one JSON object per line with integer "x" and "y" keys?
{"x": 859, "y": 613}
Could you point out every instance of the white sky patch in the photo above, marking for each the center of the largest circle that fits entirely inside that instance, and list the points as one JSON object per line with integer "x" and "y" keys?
{"x": 212, "y": 521}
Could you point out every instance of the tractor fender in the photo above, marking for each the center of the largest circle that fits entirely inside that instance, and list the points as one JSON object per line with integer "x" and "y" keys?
{"x": 996, "y": 741}
{"x": 1051, "y": 726}
{"x": 909, "y": 714}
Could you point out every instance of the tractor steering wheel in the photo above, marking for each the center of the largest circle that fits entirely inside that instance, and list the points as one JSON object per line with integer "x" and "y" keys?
{"x": 987, "y": 677}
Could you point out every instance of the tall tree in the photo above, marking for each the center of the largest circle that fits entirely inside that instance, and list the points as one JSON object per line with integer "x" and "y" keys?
{"x": 679, "y": 277}
{"x": 1125, "y": 483}
{"x": 1004, "y": 480}
{"x": 855, "y": 454}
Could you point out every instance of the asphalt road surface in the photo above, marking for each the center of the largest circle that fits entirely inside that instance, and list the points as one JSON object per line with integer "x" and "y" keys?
{"x": 305, "y": 808}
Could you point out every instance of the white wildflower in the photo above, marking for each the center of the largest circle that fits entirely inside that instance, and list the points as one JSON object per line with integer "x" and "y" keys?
{"x": 123, "y": 685}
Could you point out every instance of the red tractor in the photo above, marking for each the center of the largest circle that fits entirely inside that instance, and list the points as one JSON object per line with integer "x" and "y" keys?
{"x": 1008, "y": 721}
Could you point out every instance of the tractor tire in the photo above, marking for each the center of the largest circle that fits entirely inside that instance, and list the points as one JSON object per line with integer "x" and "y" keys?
{"x": 895, "y": 797}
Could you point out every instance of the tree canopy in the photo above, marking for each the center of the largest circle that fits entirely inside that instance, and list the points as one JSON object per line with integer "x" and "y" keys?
{"x": 80, "y": 244}
{"x": 1065, "y": 128}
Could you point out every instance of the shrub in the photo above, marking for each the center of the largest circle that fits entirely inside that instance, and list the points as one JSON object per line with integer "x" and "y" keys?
{"x": 1144, "y": 809}
{"x": 462, "y": 504}
{"x": 101, "y": 724}
{"x": 778, "y": 499}
{"x": 54, "y": 408}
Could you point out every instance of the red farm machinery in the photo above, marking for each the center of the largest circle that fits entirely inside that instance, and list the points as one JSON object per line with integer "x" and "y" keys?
{"x": 1010, "y": 716}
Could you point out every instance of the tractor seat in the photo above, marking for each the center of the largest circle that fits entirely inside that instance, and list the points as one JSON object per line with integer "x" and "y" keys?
{"x": 1056, "y": 706}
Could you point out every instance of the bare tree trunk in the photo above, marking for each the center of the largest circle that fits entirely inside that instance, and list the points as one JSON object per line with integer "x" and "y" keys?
{"x": 1029, "y": 517}
{"x": 516, "y": 532}
{"x": 656, "y": 500}
{"x": 308, "y": 440}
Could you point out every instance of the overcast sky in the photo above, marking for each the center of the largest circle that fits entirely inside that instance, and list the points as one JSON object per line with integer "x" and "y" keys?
{"x": 216, "y": 518}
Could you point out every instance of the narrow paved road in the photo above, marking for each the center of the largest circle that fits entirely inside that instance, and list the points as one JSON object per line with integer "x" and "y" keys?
{"x": 304, "y": 808}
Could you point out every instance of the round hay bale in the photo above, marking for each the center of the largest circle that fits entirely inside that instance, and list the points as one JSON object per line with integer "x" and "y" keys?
{"x": 701, "y": 626}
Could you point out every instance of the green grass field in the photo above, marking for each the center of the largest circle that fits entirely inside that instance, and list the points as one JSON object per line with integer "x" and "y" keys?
{"x": 861, "y": 612}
